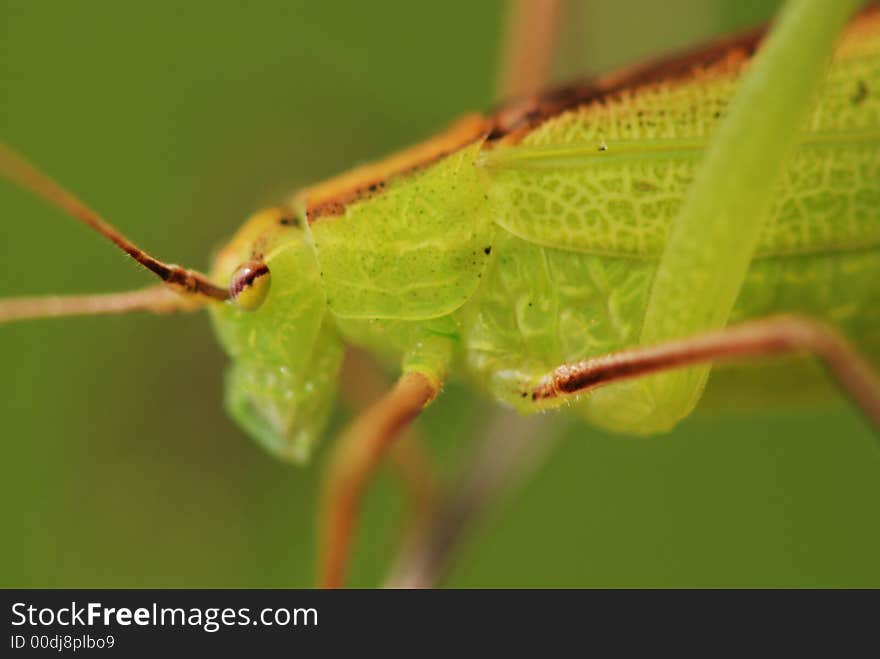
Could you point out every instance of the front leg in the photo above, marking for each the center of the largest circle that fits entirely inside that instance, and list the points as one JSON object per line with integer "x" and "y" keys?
{"x": 355, "y": 457}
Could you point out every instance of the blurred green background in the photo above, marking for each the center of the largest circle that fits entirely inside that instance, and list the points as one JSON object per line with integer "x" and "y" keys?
{"x": 175, "y": 120}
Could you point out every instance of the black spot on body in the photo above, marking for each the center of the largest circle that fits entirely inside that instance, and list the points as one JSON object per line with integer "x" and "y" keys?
{"x": 860, "y": 94}
{"x": 487, "y": 250}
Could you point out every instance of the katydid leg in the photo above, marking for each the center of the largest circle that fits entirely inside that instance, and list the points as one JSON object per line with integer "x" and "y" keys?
{"x": 362, "y": 383}
{"x": 353, "y": 461}
{"x": 713, "y": 238}
{"x": 758, "y": 338}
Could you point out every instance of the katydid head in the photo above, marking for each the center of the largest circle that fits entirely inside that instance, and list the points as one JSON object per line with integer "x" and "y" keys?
{"x": 285, "y": 353}
{"x": 242, "y": 262}
{"x": 266, "y": 300}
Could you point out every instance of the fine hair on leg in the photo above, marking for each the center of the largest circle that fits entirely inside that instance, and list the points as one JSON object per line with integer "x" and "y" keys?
{"x": 765, "y": 337}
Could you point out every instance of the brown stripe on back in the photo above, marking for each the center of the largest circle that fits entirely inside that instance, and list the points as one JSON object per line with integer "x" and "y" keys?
{"x": 513, "y": 120}
{"x": 516, "y": 118}
{"x": 331, "y": 196}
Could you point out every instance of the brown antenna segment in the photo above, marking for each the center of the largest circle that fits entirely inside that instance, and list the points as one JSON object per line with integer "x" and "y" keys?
{"x": 20, "y": 171}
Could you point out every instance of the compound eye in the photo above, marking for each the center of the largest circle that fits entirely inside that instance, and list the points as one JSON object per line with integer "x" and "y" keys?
{"x": 250, "y": 284}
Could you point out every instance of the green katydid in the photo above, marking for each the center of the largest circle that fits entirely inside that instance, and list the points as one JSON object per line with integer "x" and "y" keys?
{"x": 560, "y": 229}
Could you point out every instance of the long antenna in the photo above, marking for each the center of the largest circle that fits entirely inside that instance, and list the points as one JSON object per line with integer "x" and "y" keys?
{"x": 20, "y": 171}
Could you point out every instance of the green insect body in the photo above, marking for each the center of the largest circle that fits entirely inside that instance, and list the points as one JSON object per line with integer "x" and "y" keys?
{"x": 506, "y": 259}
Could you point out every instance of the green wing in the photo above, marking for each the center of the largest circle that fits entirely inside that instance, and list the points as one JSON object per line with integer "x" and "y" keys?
{"x": 609, "y": 177}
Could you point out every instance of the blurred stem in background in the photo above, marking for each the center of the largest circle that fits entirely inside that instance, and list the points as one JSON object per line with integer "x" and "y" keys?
{"x": 512, "y": 450}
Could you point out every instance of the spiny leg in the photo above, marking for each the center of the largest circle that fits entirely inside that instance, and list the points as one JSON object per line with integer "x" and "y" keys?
{"x": 353, "y": 461}
{"x": 783, "y": 334}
